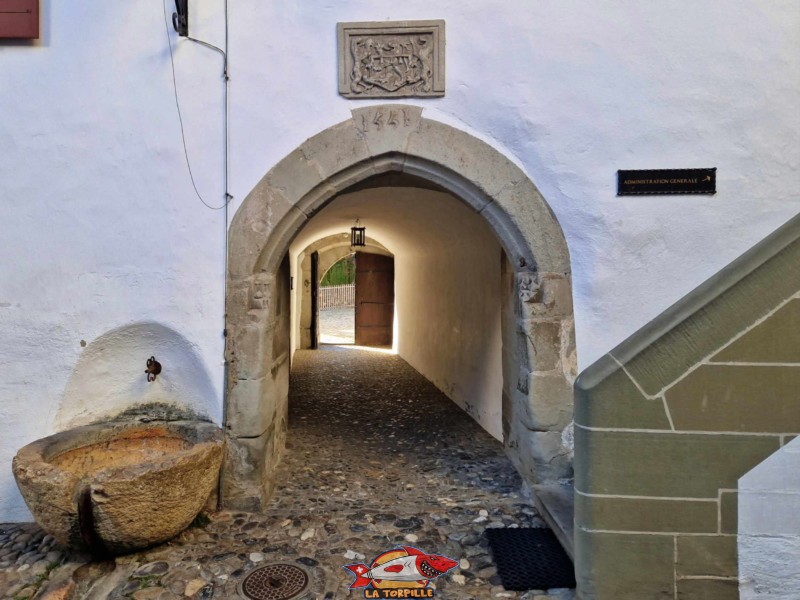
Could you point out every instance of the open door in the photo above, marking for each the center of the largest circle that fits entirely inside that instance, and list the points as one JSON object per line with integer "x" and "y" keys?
{"x": 315, "y": 300}
{"x": 374, "y": 299}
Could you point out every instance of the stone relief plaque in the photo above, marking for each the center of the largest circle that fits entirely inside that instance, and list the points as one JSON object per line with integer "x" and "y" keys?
{"x": 391, "y": 59}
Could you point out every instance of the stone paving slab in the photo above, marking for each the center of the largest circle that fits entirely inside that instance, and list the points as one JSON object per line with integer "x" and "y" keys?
{"x": 377, "y": 457}
{"x": 337, "y": 326}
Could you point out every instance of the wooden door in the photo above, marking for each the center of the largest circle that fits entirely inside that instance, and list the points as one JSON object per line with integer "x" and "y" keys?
{"x": 374, "y": 299}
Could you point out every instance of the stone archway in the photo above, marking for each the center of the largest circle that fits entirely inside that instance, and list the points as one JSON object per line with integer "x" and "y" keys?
{"x": 538, "y": 326}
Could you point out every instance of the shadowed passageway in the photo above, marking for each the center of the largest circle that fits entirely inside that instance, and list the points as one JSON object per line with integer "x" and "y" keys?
{"x": 368, "y": 431}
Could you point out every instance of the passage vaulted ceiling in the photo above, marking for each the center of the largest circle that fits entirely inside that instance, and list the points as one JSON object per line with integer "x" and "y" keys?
{"x": 406, "y": 220}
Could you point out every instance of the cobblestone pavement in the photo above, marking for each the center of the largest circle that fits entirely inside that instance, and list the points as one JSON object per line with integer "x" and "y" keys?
{"x": 337, "y": 326}
{"x": 376, "y": 457}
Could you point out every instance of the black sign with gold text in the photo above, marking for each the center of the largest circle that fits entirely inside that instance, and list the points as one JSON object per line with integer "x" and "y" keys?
{"x": 667, "y": 181}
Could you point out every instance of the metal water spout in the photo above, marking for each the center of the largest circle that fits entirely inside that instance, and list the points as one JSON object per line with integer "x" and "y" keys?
{"x": 153, "y": 368}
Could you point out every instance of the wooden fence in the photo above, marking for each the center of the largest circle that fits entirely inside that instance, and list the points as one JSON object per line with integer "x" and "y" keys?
{"x": 337, "y": 296}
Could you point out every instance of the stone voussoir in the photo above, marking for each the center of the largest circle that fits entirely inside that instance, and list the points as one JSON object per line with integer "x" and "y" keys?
{"x": 462, "y": 153}
{"x": 386, "y": 128}
{"x": 334, "y": 150}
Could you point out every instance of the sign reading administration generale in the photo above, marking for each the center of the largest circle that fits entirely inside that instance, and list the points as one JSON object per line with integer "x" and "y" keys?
{"x": 667, "y": 181}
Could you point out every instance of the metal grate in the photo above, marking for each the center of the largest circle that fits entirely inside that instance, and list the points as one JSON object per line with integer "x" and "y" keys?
{"x": 280, "y": 581}
{"x": 530, "y": 559}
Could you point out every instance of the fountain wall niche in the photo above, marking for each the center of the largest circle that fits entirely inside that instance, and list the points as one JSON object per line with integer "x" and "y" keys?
{"x": 136, "y": 458}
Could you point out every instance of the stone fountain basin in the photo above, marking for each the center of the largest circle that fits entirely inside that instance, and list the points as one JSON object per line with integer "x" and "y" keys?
{"x": 112, "y": 488}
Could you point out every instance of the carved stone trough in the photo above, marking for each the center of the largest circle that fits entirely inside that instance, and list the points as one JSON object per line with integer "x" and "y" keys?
{"x": 116, "y": 487}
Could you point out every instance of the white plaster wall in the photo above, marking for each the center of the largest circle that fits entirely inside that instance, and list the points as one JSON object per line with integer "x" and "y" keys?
{"x": 447, "y": 288}
{"x": 108, "y": 379}
{"x": 100, "y": 226}
{"x": 769, "y": 527}
{"x": 448, "y": 315}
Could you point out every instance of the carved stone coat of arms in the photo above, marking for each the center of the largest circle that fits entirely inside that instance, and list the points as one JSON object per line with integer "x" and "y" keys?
{"x": 389, "y": 60}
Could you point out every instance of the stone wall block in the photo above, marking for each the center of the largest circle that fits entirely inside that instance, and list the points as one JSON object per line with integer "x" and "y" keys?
{"x": 616, "y": 566}
{"x": 700, "y": 555}
{"x": 246, "y": 462}
{"x": 708, "y": 589}
{"x": 729, "y": 512}
{"x": 258, "y": 216}
{"x": 541, "y": 345}
{"x": 386, "y": 128}
{"x": 657, "y": 463}
{"x": 515, "y": 444}
{"x": 548, "y": 403}
{"x": 512, "y": 447}
{"x": 639, "y": 514}
{"x": 522, "y": 257}
{"x": 250, "y": 349}
{"x": 523, "y": 380}
{"x": 569, "y": 358}
{"x": 273, "y": 453}
{"x": 462, "y": 153}
{"x": 277, "y": 391}
{"x": 775, "y": 340}
{"x": 273, "y": 251}
{"x": 335, "y": 149}
{"x": 557, "y": 294}
{"x": 534, "y": 219}
{"x": 616, "y": 402}
{"x": 247, "y": 327}
{"x": 750, "y": 398}
{"x": 251, "y": 407}
{"x": 545, "y": 456}
{"x": 295, "y": 175}
{"x": 238, "y": 304}
{"x": 542, "y": 297}
{"x": 529, "y": 292}
{"x": 238, "y": 294}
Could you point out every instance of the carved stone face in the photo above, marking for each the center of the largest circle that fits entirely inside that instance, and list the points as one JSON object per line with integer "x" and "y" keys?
{"x": 529, "y": 288}
{"x": 260, "y": 294}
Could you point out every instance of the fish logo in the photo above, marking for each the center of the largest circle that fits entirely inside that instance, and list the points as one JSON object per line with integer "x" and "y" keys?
{"x": 403, "y": 572}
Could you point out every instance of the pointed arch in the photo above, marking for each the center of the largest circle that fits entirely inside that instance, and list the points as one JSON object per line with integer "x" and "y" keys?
{"x": 381, "y": 139}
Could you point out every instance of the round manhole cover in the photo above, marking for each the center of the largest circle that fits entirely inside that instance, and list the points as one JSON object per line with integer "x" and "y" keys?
{"x": 274, "y": 582}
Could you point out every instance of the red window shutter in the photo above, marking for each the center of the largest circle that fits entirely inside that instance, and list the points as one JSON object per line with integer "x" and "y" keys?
{"x": 19, "y": 19}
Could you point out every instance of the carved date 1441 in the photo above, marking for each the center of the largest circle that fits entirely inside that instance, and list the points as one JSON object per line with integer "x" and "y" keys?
{"x": 384, "y": 117}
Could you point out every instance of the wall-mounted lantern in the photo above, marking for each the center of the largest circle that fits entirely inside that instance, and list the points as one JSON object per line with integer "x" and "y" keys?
{"x": 358, "y": 236}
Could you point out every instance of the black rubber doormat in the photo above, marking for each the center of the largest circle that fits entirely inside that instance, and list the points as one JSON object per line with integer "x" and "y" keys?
{"x": 530, "y": 559}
